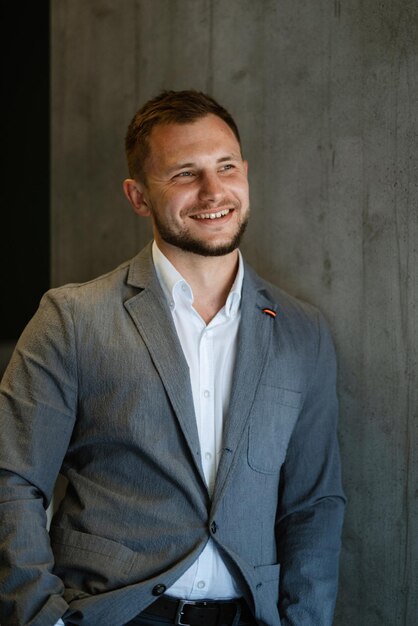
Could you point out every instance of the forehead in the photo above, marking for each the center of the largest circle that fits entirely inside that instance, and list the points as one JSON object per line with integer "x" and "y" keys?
{"x": 208, "y": 135}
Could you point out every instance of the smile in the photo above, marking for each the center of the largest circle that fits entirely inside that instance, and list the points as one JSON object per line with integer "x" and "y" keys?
{"x": 211, "y": 216}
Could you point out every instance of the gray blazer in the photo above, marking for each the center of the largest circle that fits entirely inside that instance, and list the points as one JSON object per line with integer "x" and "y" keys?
{"x": 99, "y": 389}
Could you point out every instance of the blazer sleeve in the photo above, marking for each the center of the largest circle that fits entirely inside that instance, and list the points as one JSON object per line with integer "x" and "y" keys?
{"x": 312, "y": 502}
{"x": 37, "y": 412}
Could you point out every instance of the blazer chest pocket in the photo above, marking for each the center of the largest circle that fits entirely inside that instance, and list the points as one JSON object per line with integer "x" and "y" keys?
{"x": 272, "y": 420}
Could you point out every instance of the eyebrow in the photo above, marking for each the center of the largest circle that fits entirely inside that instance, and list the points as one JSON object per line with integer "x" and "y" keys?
{"x": 230, "y": 157}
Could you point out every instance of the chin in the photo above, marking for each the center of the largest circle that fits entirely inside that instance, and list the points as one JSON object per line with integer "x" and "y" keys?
{"x": 186, "y": 242}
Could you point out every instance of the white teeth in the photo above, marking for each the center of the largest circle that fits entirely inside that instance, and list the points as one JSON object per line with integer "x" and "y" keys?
{"x": 212, "y": 216}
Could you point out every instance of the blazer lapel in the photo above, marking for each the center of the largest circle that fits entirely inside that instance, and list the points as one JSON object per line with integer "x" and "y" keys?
{"x": 253, "y": 343}
{"x": 152, "y": 318}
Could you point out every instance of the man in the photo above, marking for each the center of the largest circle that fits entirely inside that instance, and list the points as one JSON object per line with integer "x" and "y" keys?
{"x": 192, "y": 408}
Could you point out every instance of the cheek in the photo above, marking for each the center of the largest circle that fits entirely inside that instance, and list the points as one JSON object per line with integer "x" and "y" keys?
{"x": 182, "y": 201}
{"x": 239, "y": 186}
{"x": 164, "y": 205}
{"x": 241, "y": 192}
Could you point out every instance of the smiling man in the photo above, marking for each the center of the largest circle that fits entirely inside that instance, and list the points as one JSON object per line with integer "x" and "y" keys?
{"x": 195, "y": 187}
{"x": 191, "y": 406}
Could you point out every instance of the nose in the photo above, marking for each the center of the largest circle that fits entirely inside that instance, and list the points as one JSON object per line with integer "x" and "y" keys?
{"x": 211, "y": 188}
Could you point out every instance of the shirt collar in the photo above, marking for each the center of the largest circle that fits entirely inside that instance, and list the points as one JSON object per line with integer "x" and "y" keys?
{"x": 234, "y": 297}
{"x": 174, "y": 285}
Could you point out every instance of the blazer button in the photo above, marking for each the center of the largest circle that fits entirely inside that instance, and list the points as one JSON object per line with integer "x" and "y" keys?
{"x": 213, "y": 528}
{"x": 158, "y": 590}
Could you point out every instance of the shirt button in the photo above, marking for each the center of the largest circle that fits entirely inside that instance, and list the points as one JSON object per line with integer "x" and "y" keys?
{"x": 208, "y": 456}
{"x": 201, "y": 584}
{"x": 206, "y": 393}
{"x": 158, "y": 590}
{"x": 184, "y": 287}
{"x": 171, "y": 305}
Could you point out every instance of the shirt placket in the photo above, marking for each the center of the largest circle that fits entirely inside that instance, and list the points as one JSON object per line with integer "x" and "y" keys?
{"x": 207, "y": 407}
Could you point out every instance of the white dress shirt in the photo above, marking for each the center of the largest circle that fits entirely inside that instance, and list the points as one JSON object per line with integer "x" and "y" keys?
{"x": 210, "y": 354}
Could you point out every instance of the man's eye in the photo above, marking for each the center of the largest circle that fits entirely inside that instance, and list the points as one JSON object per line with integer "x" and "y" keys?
{"x": 227, "y": 166}
{"x": 183, "y": 174}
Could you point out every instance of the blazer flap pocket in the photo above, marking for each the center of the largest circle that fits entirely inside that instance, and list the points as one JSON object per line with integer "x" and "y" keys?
{"x": 266, "y": 573}
{"x": 76, "y": 552}
{"x": 287, "y": 397}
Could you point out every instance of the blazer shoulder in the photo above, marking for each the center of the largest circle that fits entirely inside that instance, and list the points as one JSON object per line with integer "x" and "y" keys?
{"x": 115, "y": 286}
{"x": 302, "y": 325}
{"x": 114, "y": 278}
{"x": 301, "y": 322}
{"x": 289, "y": 301}
{"x": 288, "y": 304}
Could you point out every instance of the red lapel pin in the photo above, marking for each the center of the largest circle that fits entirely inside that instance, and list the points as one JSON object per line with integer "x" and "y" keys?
{"x": 270, "y": 312}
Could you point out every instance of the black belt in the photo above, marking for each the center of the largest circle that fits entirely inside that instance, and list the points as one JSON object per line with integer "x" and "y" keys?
{"x": 202, "y": 612}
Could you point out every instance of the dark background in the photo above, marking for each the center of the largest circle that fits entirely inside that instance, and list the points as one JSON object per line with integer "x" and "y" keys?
{"x": 25, "y": 105}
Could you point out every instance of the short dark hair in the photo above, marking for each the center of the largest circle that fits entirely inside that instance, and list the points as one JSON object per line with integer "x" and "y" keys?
{"x": 170, "y": 107}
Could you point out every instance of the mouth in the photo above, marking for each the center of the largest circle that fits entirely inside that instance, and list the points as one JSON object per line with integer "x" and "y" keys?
{"x": 213, "y": 215}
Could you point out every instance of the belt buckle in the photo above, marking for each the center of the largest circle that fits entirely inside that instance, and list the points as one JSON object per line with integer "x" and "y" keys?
{"x": 182, "y": 604}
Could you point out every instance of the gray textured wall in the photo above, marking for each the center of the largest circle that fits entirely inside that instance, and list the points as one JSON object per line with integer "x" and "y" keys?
{"x": 326, "y": 96}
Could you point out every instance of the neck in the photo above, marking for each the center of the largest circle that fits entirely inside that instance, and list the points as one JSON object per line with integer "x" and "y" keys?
{"x": 210, "y": 278}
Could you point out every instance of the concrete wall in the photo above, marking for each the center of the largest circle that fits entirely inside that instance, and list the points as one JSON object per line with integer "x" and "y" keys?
{"x": 326, "y": 96}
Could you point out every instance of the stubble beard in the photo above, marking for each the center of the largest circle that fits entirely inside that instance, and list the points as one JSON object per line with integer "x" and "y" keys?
{"x": 186, "y": 242}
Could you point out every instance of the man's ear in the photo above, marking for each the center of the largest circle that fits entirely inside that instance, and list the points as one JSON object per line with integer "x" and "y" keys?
{"x": 135, "y": 192}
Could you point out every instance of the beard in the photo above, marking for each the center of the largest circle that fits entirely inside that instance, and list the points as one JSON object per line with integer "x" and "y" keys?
{"x": 183, "y": 240}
